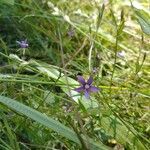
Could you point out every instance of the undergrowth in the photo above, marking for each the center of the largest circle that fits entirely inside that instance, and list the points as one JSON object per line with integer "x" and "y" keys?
{"x": 107, "y": 40}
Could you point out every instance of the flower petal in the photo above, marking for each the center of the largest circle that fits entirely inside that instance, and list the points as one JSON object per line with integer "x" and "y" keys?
{"x": 81, "y": 80}
{"x": 80, "y": 89}
{"x": 94, "y": 89}
{"x": 86, "y": 94}
{"x": 90, "y": 80}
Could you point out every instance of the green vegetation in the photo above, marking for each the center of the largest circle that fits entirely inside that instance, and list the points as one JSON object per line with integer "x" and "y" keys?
{"x": 106, "y": 40}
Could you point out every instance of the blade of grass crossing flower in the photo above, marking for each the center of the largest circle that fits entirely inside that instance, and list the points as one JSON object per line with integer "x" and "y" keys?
{"x": 49, "y": 122}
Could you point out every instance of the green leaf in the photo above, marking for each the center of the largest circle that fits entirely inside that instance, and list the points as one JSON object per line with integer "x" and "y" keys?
{"x": 10, "y": 2}
{"x": 49, "y": 122}
{"x": 144, "y": 20}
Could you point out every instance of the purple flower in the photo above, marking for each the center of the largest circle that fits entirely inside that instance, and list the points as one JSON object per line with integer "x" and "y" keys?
{"x": 86, "y": 86}
{"x": 23, "y": 44}
{"x": 95, "y": 70}
{"x": 71, "y": 33}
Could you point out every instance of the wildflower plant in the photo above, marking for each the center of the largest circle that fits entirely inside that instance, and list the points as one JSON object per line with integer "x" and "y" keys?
{"x": 72, "y": 37}
{"x": 86, "y": 86}
{"x": 23, "y": 45}
{"x": 71, "y": 32}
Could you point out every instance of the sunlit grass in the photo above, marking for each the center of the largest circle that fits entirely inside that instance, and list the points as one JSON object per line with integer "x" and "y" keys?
{"x": 66, "y": 39}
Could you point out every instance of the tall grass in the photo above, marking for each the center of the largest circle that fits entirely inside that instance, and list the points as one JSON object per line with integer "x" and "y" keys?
{"x": 108, "y": 40}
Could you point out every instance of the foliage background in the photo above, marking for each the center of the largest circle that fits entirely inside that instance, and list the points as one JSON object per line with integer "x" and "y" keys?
{"x": 66, "y": 39}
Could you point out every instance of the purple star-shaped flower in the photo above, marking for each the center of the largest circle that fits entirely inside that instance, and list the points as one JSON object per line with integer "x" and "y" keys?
{"x": 86, "y": 86}
{"x": 71, "y": 33}
{"x": 23, "y": 44}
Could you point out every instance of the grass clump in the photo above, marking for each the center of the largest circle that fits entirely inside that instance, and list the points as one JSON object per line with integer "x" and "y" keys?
{"x": 39, "y": 108}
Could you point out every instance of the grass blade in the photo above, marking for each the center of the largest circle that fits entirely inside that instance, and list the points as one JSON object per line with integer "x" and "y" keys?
{"x": 144, "y": 20}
